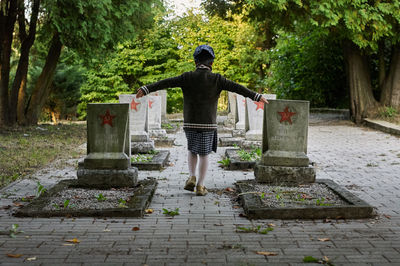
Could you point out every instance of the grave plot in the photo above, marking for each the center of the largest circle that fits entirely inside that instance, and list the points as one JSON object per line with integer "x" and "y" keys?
{"x": 106, "y": 168}
{"x": 241, "y": 159}
{"x": 155, "y": 160}
{"x": 285, "y": 186}
{"x": 319, "y": 200}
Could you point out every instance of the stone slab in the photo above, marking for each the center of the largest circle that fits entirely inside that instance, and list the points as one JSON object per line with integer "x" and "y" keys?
{"x": 154, "y": 112}
{"x": 138, "y": 115}
{"x": 285, "y": 158}
{"x": 230, "y": 142}
{"x": 356, "y": 209}
{"x": 158, "y": 162}
{"x": 106, "y": 178}
{"x": 167, "y": 141}
{"x": 383, "y": 126}
{"x": 136, "y": 206}
{"x": 107, "y": 136}
{"x": 142, "y": 147}
{"x": 240, "y": 112}
{"x": 284, "y": 174}
{"x": 236, "y": 163}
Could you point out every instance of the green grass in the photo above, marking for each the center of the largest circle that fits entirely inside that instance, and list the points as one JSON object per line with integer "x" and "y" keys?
{"x": 25, "y": 149}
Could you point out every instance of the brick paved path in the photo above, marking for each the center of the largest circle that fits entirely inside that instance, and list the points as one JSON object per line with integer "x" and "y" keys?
{"x": 367, "y": 162}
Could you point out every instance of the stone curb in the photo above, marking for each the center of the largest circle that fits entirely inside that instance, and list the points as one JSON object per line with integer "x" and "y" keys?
{"x": 382, "y": 126}
{"x": 136, "y": 206}
{"x": 356, "y": 209}
{"x": 236, "y": 163}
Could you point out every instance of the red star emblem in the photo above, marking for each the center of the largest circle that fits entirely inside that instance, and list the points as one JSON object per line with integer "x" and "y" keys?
{"x": 260, "y": 105}
{"x": 134, "y": 105}
{"x": 244, "y": 102}
{"x": 286, "y": 115}
{"x": 150, "y": 103}
{"x": 107, "y": 118}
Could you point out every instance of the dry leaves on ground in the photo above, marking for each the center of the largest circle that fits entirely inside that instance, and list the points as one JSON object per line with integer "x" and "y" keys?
{"x": 14, "y": 255}
{"x": 267, "y": 253}
{"x": 74, "y": 240}
{"x": 135, "y": 228}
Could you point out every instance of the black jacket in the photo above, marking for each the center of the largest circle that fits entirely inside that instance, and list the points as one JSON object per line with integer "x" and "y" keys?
{"x": 201, "y": 89}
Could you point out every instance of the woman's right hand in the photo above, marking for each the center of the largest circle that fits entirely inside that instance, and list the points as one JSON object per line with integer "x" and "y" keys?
{"x": 139, "y": 94}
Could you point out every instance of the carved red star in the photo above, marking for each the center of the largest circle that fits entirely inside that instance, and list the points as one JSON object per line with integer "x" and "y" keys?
{"x": 107, "y": 118}
{"x": 286, "y": 115}
{"x": 134, "y": 105}
{"x": 151, "y": 104}
{"x": 260, "y": 105}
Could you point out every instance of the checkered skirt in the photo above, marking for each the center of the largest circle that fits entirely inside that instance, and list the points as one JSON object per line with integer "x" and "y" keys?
{"x": 201, "y": 142}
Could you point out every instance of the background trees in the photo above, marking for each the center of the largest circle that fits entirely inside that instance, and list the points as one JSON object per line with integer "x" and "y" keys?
{"x": 87, "y": 27}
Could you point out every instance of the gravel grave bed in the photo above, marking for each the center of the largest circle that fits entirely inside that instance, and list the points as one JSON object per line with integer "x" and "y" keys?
{"x": 94, "y": 199}
{"x": 300, "y": 196}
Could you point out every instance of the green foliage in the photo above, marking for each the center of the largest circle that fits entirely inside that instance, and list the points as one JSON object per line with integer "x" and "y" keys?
{"x": 308, "y": 66}
{"x": 388, "y": 112}
{"x": 122, "y": 203}
{"x": 100, "y": 197}
{"x": 224, "y": 162}
{"x": 171, "y": 212}
{"x": 256, "y": 229}
{"x": 14, "y": 230}
{"x": 252, "y": 155}
{"x": 310, "y": 259}
{"x": 40, "y": 189}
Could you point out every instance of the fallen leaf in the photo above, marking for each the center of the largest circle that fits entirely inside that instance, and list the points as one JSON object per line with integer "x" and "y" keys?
{"x": 325, "y": 259}
{"x": 106, "y": 230}
{"x": 236, "y": 207}
{"x": 74, "y": 240}
{"x": 271, "y": 225}
{"x": 242, "y": 215}
{"x": 14, "y": 255}
{"x": 305, "y": 196}
{"x": 148, "y": 210}
{"x": 31, "y": 259}
{"x": 267, "y": 253}
{"x": 68, "y": 244}
{"x": 387, "y": 216}
{"x": 6, "y": 207}
{"x": 18, "y": 204}
{"x": 324, "y": 239}
{"x": 218, "y": 224}
{"x": 229, "y": 189}
{"x": 135, "y": 228}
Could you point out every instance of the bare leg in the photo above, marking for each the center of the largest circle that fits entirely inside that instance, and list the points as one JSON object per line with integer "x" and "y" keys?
{"x": 192, "y": 163}
{"x": 203, "y": 166}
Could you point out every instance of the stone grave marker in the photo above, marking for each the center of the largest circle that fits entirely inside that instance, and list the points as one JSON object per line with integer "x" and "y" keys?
{"x": 138, "y": 122}
{"x": 240, "y": 112}
{"x": 155, "y": 129}
{"x": 254, "y": 117}
{"x": 231, "y": 119}
{"x": 163, "y": 94}
{"x": 107, "y": 163}
{"x": 284, "y": 144}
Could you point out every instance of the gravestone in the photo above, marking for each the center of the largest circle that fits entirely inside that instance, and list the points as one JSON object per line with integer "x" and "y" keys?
{"x": 240, "y": 116}
{"x": 163, "y": 94}
{"x": 231, "y": 118}
{"x": 155, "y": 129}
{"x": 107, "y": 163}
{"x": 254, "y": 118}
{"x": 284, "y": 144}
{"x": 138, "y": 123}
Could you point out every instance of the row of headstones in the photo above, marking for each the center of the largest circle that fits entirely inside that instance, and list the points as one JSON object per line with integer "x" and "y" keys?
{"x": 247, "y": 115}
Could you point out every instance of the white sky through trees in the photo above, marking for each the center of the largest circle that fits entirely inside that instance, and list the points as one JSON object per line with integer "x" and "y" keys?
{"x": 181, "y": 6}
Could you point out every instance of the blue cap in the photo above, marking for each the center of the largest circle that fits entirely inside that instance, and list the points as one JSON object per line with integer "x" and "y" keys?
{"x": 202, "y": 48}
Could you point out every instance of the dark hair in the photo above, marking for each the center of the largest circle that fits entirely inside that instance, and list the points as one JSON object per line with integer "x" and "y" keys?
{"x": 204, "y": 58}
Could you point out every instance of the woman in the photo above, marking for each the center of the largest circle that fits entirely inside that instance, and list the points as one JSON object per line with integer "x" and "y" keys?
{"x": 201, "y": 89}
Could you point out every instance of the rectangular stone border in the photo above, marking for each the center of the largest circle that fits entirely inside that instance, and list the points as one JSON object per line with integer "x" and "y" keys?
{"x": 136, "y": 205}
{"x": 157, "y": 163}
{"x": 236, "y": 163}
{"x": 229, "y": 142}
{"x": 357, "y": 208}
{"x": 175, "y": 127}
{"x": 164, "y": 141}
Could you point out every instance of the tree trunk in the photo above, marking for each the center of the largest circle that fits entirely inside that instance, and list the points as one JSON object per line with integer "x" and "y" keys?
{"x": 43, "y": 84}
{"x": 390, "y": 95}
{"x": 8, "y": 16}
{"x": 27, "y": 41}
{"x": 362, "y": 101}
{"x": 22, "y": 103}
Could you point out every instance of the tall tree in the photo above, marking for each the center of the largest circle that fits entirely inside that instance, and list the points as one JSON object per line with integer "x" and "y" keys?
{"x": 89, "y": 27}
{"x": 366, "y": 28}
